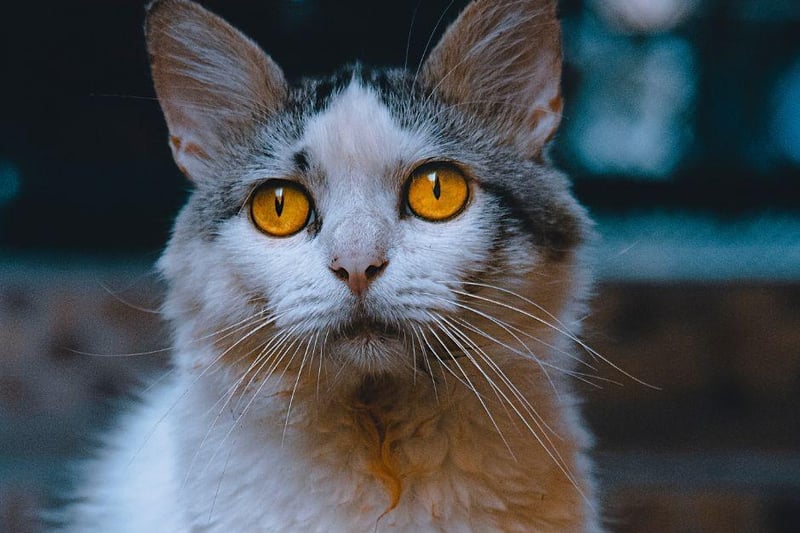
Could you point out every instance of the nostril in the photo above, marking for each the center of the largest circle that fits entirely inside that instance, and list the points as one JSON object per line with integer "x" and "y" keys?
{"x": 341, "y": 273}
{"x": 373, "y": 270}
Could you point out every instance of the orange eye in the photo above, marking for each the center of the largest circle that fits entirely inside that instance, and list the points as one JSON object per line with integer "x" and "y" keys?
{"x": 437, "y": 192}
{"x": 280, "y": 208}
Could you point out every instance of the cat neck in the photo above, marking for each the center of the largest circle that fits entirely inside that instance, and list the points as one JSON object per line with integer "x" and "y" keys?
{"x": 386, "y": 448}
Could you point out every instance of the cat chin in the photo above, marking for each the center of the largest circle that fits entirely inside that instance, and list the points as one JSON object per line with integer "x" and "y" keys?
{"x": 371, "y": 352}
{"x": 366, "y": 330}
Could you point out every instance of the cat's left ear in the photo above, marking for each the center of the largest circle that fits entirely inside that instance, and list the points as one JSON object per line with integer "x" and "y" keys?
{"x": 501, "y": 60}
{"x": 213, "y": 83}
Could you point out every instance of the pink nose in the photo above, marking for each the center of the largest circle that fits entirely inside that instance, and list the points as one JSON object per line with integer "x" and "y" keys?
{"x": 358, "y": 271}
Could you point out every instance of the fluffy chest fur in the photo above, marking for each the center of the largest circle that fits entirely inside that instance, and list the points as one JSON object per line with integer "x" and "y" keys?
{"x": 380, "y": 459}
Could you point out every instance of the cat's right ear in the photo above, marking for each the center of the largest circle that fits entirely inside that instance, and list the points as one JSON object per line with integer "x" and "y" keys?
{"x": 213, "y": 83}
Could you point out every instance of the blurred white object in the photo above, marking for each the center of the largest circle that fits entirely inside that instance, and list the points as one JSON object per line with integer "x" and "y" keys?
{"x": 633, "y": 112}
{"x": 9, "y": 182}
{"x": 785, "y": 122}
{"x": 647, "y": 16}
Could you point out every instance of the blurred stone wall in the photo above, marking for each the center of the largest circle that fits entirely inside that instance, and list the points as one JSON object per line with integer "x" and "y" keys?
{"x": 73, "y": 340}
{"x": 717, "y": 448}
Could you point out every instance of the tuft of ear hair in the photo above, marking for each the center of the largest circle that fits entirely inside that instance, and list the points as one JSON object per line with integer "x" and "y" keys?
{"x": 501, "y": 60}
{"x": 213, "y": 83}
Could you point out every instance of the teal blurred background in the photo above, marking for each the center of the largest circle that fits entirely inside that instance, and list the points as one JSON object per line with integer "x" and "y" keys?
{"x": 681, "y": 132}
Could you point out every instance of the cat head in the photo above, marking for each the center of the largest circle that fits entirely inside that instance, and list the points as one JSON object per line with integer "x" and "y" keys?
{"x": 375, "y": 216}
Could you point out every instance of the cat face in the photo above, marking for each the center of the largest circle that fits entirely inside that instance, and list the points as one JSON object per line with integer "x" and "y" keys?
{"x": 371, "y": 216}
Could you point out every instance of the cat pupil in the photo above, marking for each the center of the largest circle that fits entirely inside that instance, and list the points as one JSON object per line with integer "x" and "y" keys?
{"x": 279, "y": 201}
{"x": 437, "y": 186}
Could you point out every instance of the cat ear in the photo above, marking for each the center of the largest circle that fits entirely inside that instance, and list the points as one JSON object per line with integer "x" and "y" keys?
{"x": 213, "y": 83}
{"x": 501, "y": 60}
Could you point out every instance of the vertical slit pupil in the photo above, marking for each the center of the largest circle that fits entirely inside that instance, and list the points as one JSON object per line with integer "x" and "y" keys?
{"x": 279, "y": 201}
{"x": 437, "y": 186}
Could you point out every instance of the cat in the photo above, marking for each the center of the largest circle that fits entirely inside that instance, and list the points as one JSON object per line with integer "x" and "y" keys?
{"x": 375, "y": 289}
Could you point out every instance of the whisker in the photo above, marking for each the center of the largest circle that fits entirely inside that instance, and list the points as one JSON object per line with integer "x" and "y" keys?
{"x": 121, "y": 355}
{"x": 126, "y": 303}
{"x": 238, "y": 419}
{"x": 441, "y": 322}
{"x": 321, "y": 358}
{"x": 512, "y": 330}
{"x": 227, "y": 396}
{"x": 544, "y": 365}
{"x": 275, "y": 346}
{"x": 410, "y": 32}
{"x": 427, "y": 362}
{"x": 581, "y": 376}
{"x": 508, "y": 328}
{"x": 219, "y": 486}
{"x": 265, "y": 352}
{"x": 527, "y": 405}
{"x": 430, "y": 40}
{"x": 468, "y": 383}
{"x": 505, "y": 327}
{"x": 197, "y": 340}
{"x": 433, "y": 352}
{"x": 521, "y": 331}
{"x": 542, "y": 438}
{"x": 563, "y": 330}
{"x": 294, "y": 388}
{"x": 225, "y": 352}
{"x": 249, "y": 320}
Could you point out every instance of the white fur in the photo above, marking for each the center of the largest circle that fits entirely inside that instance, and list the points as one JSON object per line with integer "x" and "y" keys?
{"x": 127, "y": 484}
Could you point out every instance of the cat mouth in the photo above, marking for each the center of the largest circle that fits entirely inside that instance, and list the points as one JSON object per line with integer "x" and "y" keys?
{"x": 368, "y": 329}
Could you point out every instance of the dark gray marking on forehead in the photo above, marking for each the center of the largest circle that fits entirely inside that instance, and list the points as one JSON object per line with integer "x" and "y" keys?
{"x": 300, "y": 159}
{"x": 312, "y": 95}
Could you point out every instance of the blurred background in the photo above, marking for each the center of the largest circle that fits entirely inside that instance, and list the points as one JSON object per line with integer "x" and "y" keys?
{"x": 681, "y": 131}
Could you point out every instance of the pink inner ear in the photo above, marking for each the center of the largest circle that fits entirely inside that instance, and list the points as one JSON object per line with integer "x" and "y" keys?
{"x": 195, "y": 150}
{"x": 187, "y": 155}
{"x": 544, "y": 122}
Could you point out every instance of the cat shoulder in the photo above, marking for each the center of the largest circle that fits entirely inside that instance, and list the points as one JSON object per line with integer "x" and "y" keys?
{"x": 130, "y": 484}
